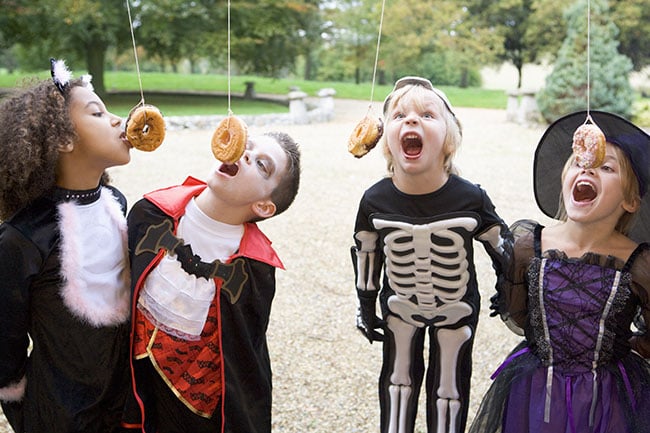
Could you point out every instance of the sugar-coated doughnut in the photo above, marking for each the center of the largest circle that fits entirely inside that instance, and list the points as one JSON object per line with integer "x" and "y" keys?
{"x": 229, "y": 139}
{"x": 589, "y": 146}
{"x": 365, "y": 136}
{"x": 145, "y": 128}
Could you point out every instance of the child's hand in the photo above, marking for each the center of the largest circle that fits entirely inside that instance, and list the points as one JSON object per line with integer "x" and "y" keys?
{"x": 368, "y": 322}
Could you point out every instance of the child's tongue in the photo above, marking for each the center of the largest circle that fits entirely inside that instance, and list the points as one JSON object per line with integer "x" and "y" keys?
{"x": 412, "y": 147}
{"x": 229, "y": 169}
{"x": 583, "y": 192}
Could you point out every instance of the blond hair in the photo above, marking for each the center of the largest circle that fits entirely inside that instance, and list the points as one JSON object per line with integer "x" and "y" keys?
{"x": 629, "y": 184}
{"x": 417, "y": 94}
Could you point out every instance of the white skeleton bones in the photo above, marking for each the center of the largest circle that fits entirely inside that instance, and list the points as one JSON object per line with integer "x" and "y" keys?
{"x": 427, "y": 268}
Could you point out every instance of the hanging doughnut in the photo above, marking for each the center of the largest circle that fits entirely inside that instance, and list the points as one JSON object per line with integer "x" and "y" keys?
{"x": 145, "y": 127}
{"x": 589, "y": 146}
{"x": 365, "y": 136}
{"x": 229, "y": 139}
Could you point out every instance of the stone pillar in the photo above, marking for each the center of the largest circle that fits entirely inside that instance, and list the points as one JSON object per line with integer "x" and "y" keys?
{"x": 528, "y": 111}
{"x": 298, "y": 107}
{"x": 250, "y": 90}
{"x": 513, "y": 106}
{"x": 326, "y": 102}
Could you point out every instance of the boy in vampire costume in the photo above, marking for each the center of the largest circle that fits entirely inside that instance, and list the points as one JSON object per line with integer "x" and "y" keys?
{"x": 204, "y": 278}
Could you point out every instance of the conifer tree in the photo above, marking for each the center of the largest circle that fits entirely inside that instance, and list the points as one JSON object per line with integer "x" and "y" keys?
{"x": 566, "y": 86}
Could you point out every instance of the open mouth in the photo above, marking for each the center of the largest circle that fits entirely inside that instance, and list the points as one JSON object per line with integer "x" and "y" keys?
{"x": 411, "y": 145}
{"x": 229, "y": 169}
{"x": 584, "y": 192}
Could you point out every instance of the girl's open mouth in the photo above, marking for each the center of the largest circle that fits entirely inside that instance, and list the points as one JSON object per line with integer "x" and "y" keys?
{"x": 584, "y": 192}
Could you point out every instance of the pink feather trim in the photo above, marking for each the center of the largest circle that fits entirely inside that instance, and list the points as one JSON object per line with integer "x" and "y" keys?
{"x": 15, "y": 391}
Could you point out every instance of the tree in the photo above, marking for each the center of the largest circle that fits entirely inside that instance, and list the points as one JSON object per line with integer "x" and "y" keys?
{"x": 265, "y": 35}
{"x": 351, "y": 47}
{"x": 510, "y": 19}
{"x": 426, "y": 36}
{"x": 72, "y": 29}
{"x": 567, "y": 89}
{"x": 173, "y": 30}
{"x": 547, "y": 28}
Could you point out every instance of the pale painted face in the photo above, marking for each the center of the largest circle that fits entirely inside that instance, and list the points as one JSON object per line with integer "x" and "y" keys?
{"x": 415, "y": 134}
{"x": 253, "y": 178}
{"x": 594, "y": 195}
{"x": 101, "y": 142}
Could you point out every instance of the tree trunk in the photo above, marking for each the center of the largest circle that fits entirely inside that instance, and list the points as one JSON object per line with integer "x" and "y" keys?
{"x": 95, "y": 54}
{"x": 309, "y": 66}
{"x": 464, "y": 78}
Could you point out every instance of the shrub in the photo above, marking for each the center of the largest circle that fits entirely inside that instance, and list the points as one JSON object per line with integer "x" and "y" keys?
{"x": 566, "y": 86}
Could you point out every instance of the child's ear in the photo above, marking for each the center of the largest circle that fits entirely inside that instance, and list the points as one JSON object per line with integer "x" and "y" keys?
{"x": 633, "y": 206}
{"x": 65, "y": 147}
{"x": 264, "y": 208}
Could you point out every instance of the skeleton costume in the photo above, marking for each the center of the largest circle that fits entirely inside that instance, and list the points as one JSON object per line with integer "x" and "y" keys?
{"x": 202, "y": 300}
{"x": 65, "y": 285}
{"x": 580, "y": 368}
{"x": 424, "y": 246}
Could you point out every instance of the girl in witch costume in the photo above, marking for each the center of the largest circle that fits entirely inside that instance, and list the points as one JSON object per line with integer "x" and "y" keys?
{"x": 574, "y": 289}
{"x": 418, "y": 225}
{"x": 64, "y": 276}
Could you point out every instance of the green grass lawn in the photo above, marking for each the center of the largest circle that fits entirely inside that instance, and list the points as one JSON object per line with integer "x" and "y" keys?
{"x": 187, "y": 100}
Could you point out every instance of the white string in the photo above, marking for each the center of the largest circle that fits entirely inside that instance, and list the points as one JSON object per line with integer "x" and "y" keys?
{"x": 374, "y": 70}
{"x": 588, "y": 57}
{"x": 135, "y": 52}
{"x": 229, "y": 110}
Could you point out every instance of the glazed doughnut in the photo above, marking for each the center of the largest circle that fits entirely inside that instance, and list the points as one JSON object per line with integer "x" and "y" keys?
{"x": 589, "y": 146}
{"x": 229, "y": 139}
{"x": 365, "y": 136}
{"x": 145, "y": 128}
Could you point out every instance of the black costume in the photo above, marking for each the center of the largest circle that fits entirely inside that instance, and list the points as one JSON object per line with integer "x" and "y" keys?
{"x": 224, "y": 375}
{"x": 72, "y": 299}
{"x": 424, "y": 243}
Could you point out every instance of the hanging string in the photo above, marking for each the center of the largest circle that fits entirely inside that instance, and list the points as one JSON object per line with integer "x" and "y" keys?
{"x": 135, "y": 54}
{"x": 374, "y": 70}
{"x": 229, "y": 110}
{"x": 588, "y": 58}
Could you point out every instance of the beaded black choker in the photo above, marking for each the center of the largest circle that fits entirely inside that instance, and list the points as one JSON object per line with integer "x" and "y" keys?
{"x": 85, "y": 196}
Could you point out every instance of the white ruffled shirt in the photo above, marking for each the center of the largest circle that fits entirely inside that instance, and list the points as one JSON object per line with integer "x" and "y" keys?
{"x": 178, "y": 302}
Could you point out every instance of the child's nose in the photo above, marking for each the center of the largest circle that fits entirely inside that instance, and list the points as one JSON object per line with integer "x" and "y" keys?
{"x": 115, "y": 120}
{"x": 412, "y": 118}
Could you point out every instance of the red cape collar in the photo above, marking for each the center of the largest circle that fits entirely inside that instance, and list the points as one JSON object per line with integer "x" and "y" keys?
{"x": 173, "y": 200}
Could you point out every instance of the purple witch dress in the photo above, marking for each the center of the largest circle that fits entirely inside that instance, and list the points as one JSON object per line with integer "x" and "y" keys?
{"x": 576, "y": 371}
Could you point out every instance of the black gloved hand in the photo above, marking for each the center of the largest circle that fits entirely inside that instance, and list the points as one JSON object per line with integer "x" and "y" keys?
{"x": 494, "y": 305}
{"x": 367, "y": 320}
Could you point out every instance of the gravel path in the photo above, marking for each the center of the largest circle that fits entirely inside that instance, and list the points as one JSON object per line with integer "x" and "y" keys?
{"x": 325, "y": 372}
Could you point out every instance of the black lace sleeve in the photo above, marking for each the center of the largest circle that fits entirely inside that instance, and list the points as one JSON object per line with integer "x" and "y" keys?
{"x": 641, "y": 287}
{"x": 512, "y": 288}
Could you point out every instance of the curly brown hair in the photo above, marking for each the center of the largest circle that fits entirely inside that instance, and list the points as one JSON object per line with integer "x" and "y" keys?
{"x": 35, "y": 123}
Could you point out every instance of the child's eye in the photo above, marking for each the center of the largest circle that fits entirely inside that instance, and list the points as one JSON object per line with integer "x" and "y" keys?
{"x": 261, "y": 164}
{"x": 398, "y": 116}
{"x": 428, "y": 115}
{"x": 98, "y": 113}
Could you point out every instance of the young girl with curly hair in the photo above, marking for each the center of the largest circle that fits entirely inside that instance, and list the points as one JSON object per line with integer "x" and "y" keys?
{"x": 64, "y": 275}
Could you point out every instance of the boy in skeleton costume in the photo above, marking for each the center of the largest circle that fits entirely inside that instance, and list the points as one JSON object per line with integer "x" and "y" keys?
{"x": 64, "y": 275}
{"x": 203, "y": 276}
{"x": 418, "y": 225}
